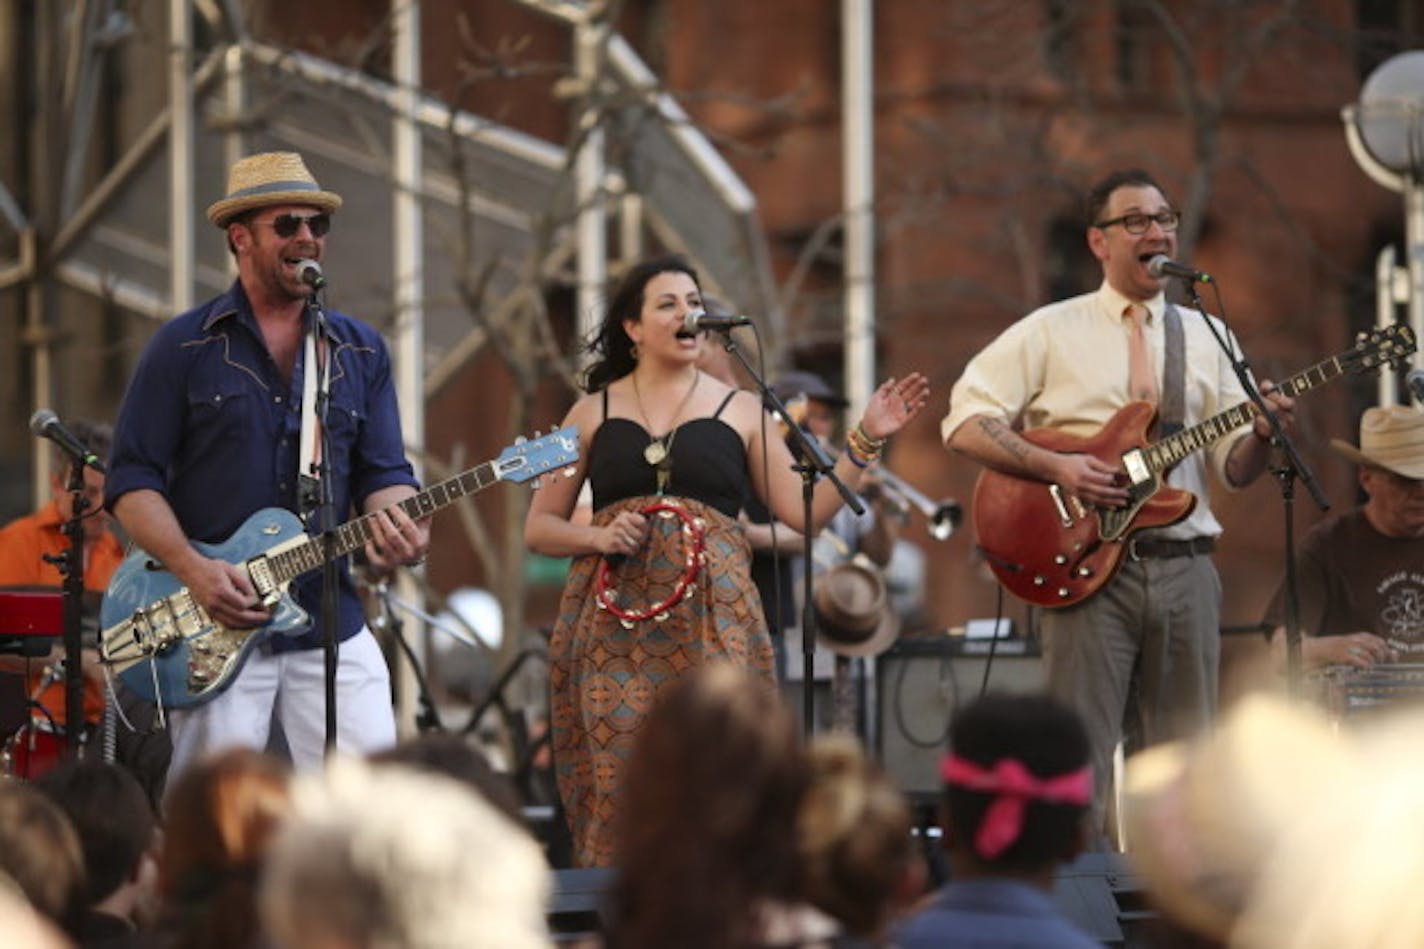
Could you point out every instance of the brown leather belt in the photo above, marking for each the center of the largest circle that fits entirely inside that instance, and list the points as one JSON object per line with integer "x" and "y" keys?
{"x": 1153, "y": 548}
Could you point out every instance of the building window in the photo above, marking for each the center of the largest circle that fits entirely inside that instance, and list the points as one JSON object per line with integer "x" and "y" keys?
{"x": 1060, "y": 47}
{"x": 1069, "y": 266}
{"x": 1385, "y": 28}
{"x": 1132, "y": 27}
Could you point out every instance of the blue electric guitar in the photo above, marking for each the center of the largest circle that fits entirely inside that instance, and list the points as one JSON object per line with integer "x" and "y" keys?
{"x": 166, "y": 648}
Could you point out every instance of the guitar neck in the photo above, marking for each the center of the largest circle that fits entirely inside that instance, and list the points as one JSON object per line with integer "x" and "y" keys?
{"x": 311, "y": 554}
{"x": 1172, "y": 449}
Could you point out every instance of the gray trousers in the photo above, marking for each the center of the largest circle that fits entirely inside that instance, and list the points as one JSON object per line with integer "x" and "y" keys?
{"x": 1143, "y": 653}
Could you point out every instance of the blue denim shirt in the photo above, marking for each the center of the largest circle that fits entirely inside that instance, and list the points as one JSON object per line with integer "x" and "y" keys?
{"x": 209, "y": 423}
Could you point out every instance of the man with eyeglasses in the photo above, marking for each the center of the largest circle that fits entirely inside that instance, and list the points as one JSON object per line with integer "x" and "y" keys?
{"x": 210, "y": 432}
{"x": 1143, "y": 651}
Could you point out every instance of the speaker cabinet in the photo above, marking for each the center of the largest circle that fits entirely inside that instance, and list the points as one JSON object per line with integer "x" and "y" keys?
{"x": 919, "y": 684}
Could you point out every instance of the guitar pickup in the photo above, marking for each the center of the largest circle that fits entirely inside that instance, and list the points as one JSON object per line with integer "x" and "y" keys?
{"x": 1138, "y": 470}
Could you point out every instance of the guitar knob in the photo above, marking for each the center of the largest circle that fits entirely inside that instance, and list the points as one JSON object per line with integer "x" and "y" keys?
{"x": 1062, "y": 593}
{"x": 1060, "y": 559}
{"x": 1085, "y": 571}
{"x": 1040, "y": 580}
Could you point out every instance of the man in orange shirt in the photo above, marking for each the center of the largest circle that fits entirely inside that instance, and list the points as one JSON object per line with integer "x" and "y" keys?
{"x": 26, "y": 542}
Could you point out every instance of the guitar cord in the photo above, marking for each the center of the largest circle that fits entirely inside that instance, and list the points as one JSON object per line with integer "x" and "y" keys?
{"x": 993, "y": 639}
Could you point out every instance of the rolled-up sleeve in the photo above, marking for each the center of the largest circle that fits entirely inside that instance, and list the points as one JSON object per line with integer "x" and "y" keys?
{"x": 1001, "y": 380}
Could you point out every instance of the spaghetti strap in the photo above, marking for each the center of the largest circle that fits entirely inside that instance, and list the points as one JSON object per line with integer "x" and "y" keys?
{"x": 718, "y": 413}
{"x": 605, "y": 404}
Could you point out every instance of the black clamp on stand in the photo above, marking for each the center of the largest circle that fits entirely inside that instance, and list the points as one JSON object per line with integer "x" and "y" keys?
{"x": 1288, "y": 467}
{"x": 318, "y": 500}
{"x": 812, "y": 463}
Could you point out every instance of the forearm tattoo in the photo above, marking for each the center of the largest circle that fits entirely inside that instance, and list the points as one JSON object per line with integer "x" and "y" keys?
{"x": 1005, "y": 437}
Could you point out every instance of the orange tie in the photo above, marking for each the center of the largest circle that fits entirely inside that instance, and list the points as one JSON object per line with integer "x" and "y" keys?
{"x": 1141, "y": 380}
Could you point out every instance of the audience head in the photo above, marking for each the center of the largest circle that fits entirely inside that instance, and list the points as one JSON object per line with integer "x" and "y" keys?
{"x": 1204, "y": 817}
{"x": 23, "y": 926}
{"x": 854, "y": 831}
{"x": 707, "y": 826}
{"x": 454, "y": 757}
{"x": 221, "y": 817}
{"x": 1018, "y": 785}
{"x": 39, "y": 850}
{"x": 112, "y": 817}
{"x": 394, "y": 858}
{"x": 612, "y": 348}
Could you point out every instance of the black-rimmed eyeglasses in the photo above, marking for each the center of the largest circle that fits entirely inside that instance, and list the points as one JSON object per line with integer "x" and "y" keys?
{"x": 1138, "y": 223}
{"x": 287, "y": 225}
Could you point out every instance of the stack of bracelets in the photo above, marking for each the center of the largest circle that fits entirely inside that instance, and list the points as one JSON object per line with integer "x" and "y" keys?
{"x": 863, "y": 449}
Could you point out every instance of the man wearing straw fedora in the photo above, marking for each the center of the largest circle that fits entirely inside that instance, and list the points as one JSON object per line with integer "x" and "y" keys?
{"x": 1362, "y": 572}
{"x": 211, "y": 431}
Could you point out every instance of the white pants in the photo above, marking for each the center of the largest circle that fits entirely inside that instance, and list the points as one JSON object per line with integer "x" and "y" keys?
{"x": 290, "y": 685}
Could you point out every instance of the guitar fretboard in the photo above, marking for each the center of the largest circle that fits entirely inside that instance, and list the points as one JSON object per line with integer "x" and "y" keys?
{"x": 1172, "y": 449}
{"x": 311, "y": 554}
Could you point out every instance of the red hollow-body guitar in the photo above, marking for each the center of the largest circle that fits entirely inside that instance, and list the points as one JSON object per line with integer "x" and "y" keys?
{"x": 1049, "y": 548}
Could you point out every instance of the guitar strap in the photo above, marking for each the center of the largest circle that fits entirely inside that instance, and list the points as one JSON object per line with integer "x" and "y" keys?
{"x": 1172, "y": 412}
{"x": 316, "y": 385}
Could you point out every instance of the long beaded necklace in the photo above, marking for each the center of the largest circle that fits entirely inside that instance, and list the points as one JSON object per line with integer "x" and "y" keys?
{"x": 658, "y": 453}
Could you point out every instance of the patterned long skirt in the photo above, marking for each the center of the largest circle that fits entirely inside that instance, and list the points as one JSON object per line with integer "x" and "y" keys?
{"x": 605, "y": 673}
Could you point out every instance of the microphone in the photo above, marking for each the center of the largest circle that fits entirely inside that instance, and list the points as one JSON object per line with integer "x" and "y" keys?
{"x": 309, "y": 273}
{"x": 46, "y": 424}
{"x": 1414, "y": 379}
{"x": 698, "y": 320}
{"x": 1164, "y": 266}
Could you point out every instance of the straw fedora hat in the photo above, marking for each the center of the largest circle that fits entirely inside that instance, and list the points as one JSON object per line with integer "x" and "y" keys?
{"x": 853, "y": 612}
{"x": 269, "y": 178}
{"x": 1391, "y": 438}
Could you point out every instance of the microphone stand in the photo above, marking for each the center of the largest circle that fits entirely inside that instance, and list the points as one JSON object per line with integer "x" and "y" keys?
{"x": 428, "y": 719}
{"x": 326, "y": 517}
{"x": 1290, "y": 468}
{"x": 812, "y": 463}
{"x": 71, "y": 566}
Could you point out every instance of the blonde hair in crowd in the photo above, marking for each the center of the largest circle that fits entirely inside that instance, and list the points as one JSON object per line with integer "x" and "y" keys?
{"x": 384, "y": 856}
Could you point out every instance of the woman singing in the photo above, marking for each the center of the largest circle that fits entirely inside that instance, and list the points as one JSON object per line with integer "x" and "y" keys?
{"x": 660, "y": 581}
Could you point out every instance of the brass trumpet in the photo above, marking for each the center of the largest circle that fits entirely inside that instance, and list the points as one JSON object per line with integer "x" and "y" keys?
{"x": 941, "y": 517}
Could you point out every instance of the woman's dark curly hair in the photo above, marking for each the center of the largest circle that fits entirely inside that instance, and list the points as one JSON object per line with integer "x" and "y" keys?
{"x": 612, "y": 349}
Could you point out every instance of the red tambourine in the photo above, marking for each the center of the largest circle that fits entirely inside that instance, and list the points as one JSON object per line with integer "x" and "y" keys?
{"x": 694, "y": 535}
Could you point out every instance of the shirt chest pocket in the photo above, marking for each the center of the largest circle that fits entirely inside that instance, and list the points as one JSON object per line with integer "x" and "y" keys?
{"x": 219, "y": 408}
{"x": 346, "y": 421}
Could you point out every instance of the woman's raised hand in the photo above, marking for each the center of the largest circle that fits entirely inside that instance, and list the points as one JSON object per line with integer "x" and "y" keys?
{"x": 894, "y": 404}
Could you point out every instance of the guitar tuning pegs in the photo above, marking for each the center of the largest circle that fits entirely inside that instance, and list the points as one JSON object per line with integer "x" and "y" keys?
{"x": 569, "y": 471}
{"x": 520, "y": 440}
{"x": 537, "y": 483}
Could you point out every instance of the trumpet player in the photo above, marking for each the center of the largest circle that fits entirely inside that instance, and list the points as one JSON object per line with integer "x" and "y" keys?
{"x": 776, "y": 555}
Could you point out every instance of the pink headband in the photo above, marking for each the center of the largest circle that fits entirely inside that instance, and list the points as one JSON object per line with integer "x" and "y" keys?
{"x": 1013, "y": 785}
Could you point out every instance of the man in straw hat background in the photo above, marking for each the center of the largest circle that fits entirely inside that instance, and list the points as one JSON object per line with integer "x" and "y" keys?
{"x": 209, "y": 432}
{"x": 1362, "y": 572}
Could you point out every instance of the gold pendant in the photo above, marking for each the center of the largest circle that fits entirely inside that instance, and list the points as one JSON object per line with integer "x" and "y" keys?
{"x": 656, "y": 452}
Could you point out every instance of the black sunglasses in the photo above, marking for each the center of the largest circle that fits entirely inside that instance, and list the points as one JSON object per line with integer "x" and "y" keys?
{"x": 287, "y": 225}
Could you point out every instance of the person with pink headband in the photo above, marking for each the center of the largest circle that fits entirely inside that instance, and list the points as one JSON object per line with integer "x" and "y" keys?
{"x": 1018, "y": 786}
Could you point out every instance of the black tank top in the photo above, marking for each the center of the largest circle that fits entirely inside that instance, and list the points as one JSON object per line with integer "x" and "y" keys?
{"x": 709, "y": 462}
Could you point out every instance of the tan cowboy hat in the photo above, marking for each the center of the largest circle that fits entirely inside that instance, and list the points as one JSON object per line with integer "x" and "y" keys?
{"x": 853, "y": 612}
{"x": 1391, "y": 438}
{"x": 269, "y": 178}
{"x": 1203, "y": 818}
